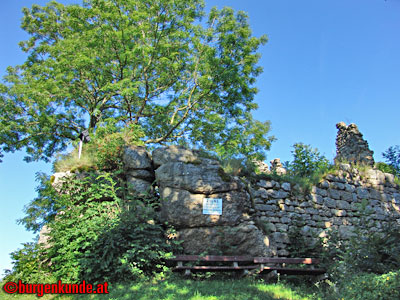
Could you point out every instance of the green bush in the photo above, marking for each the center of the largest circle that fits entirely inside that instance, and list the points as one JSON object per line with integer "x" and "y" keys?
{"x": 29, "y": 265}
{"x": 392, "y": 156}
{"x": 98, "y": 233}
{"x": 105, "y": 149}
{"x": 365, "y": 251}
{"x": 369, "y": 286}
{"x": 306, "y": 161}
{"x": 385, "y": 168}
{"x": 134, "y": 245}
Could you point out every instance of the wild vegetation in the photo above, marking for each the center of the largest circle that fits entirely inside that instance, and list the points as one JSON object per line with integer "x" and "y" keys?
{"x": 154, "y": 64}
{"x": 159, "y": 76}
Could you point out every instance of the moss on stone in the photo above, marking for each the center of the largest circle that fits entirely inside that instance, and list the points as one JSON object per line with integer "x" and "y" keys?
{"x": 225, "y": 177}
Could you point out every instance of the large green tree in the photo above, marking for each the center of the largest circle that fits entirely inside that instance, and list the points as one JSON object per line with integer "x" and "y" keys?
{"x": 184, "y": 77}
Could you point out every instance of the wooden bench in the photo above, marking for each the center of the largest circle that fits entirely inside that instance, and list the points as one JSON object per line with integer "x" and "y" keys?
{"x": 245, "y": 264}
{"x": 231, "y": 263}
{"x": 279, "y": 265}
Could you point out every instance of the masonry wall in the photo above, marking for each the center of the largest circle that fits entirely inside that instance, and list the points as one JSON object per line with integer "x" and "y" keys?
{"x": 256, "y": 217}
{"x": 337, "y": 201}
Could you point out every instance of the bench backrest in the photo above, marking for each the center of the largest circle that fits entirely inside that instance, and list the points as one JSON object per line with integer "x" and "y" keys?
{"x": 212, "y": 258}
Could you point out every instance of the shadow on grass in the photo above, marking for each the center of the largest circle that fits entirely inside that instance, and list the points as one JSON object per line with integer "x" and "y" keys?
{"x": 188, "y": 289}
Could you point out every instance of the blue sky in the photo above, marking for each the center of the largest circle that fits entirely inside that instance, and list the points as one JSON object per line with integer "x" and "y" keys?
{"x": 325, "y": 62}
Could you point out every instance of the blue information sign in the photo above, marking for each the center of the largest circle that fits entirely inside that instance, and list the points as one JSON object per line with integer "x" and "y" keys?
{"x": 212, "y": 206}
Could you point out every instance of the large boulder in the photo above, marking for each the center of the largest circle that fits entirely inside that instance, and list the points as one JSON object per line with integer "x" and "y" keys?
{"x": 207, "y": 177}
{"x": 138, "y": 170}
{"x": 136, "y": 157}
{"x": 243, "y": 239}
{"x": 184, "y": 209}
{"x": 174, "y": 154}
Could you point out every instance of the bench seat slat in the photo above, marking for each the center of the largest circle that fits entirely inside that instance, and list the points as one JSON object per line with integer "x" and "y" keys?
{"x": 277, "y": 260}
{"x": 294, "y": 271}
{"x": 215, "y": 268}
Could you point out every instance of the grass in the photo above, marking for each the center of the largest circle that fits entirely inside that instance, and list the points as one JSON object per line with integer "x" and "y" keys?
{"x": 176, "y": 288}
{"x": 71, "y": 161}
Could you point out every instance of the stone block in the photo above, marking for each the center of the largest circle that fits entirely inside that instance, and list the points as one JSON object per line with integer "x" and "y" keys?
{"x": 202, "y": 178}
{"x": 286, "y": 186}
{"x": 183, "y": 209}
{"x": 334, "y": 194}
{"x": 265, "y": 184}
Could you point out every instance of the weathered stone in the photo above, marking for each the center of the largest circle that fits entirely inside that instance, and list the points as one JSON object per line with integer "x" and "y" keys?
{"x": 329, "y": 202}
{"x": 334, "y": 194}
{"x": 281, "y": 227}
{"x": 262, "y": 193}
{"x": 229, "y": 240}
{"x": 317, "y": 199}
{"x": 277, "y": 167}
{"x": 203, "y": 178}
{"x": 346, "y": 231}
{"x": 342, "y": 204}
{"x": 286, "y": 186}
{"x": 184, "y": 209}
{"x": 262, "y": 167}
{"x": 141, "y": 174}
{"x": 324, "y": 184}
{"x": 174, "y": 154}
{"x": 321, "y": 192}
{"x": 337, "y": 185}
{"x": 277, "y": 194}
{"x": 139, "y": 186}
{"x": 362, "y": 193}
{"x": 344, "y": 167}
{"x": 346, "y": 196}
{"x": 390, "y": 179}
{"x": 265, "y": 184}
{"x": 44, "y": 237}
{"x": 305, "y": 204}
{"x": 349, "y": 188}
{"x": 374, "y": 194}
{"x": 136, "y": 157}
{"x": 351, "y": 147}
{"x": 280, "y": 237}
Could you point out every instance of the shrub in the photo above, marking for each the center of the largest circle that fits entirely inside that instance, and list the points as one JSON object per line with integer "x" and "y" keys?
{"x": 392, "y": 155}
{"x": 306, "y": 161}
{"x": 29, "y": 265}
{"x": 385, "y": 168}
{"x": 104, "y": 151}
{"x": 133, "y": 245}
{"x": 369, "y": 286}
{"x": 365, "y": 251}
{"x": 98, "y": 233}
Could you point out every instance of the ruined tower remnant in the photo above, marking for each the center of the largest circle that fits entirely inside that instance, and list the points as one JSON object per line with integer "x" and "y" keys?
{"x": 351, "y": 147}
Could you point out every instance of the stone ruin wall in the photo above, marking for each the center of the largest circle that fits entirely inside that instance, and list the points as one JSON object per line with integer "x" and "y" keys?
{"x": 256, "y": 217}
{"x": 336, "y": 202}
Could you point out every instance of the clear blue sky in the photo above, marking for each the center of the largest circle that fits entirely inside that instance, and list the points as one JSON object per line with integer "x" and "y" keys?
{"x": 325, "y": 62}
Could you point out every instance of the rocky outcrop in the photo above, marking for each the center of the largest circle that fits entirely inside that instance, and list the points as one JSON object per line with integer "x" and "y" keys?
{"x": 185, "y": 179}
{"x": 277, "y": 167}
{"x": 257, "y": 215}
{"x": 351, "y": 147}
{"x": 138, "y": 170}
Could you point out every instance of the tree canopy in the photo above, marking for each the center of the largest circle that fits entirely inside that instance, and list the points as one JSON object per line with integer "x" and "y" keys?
{"x": 163, "y": 65}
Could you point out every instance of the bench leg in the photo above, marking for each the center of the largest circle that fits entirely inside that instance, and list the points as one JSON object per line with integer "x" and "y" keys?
{"x": 187, "y": 272}
{"x": 271, "y": 275}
